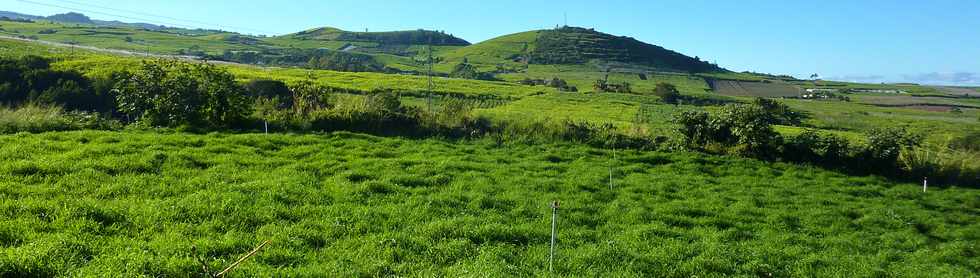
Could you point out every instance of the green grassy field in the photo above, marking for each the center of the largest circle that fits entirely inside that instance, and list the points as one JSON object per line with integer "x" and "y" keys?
{"x": 134, "y": 203}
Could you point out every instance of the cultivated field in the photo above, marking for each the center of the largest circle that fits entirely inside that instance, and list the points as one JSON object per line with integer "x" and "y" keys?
{"x": 753, "y": 89}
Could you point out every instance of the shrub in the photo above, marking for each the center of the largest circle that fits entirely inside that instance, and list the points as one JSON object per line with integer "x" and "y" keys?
{"x": 172, "y": 93}
{"x": 740, "y": 128}
{"x": 36, "y": 118}
{"x": 274, "y": 90}
{"x": 886, "y": 144}
{"x": 811, "y": 146}
{"x": 308, "y": 97}
{"x": 30, "y": 80}
{"x": 779, "y": 113}
{"x": 466, "y": 70}
{"x": 667, "y": 92}
{"x": 750, "y": 126}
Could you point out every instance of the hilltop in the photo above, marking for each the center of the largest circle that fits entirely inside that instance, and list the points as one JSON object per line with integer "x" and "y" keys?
{"x": 578, "y": 46}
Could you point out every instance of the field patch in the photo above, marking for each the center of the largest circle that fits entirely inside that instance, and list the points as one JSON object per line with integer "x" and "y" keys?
{"x": 753, "y": 89}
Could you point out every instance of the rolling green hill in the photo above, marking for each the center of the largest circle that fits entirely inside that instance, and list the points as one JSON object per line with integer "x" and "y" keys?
{"x": 402, "y": 43}
{"x": 577, "y": 46}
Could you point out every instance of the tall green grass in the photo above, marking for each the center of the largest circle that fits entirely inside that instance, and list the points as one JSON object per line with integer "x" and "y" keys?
{"x": 123, "y": 204}
{"x": 36, "y": 118}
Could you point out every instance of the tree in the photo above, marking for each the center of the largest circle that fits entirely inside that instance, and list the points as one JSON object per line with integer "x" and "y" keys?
{"x": 308, "y": 97}
{"x": 667, "y": 92}
{"x": 751, "y": 127}
{"x": 173, "y": 93}
{"x": 225, "y": 103}
{"x": 779, "y": 113}
{"x": 886, "y": 144}
{"x": 742, "y": 128}
{"x": 465, "y": 70}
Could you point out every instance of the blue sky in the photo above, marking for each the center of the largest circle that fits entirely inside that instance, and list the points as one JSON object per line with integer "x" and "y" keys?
{"x": 868, "y": 41}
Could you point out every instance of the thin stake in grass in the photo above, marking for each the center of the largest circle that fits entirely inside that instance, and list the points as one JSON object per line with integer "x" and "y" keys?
{"x": 231, "y": 267}
{"x": 554, "y": 235}
{"x": 611, "y": 166}
{"x": 925, "y": 184}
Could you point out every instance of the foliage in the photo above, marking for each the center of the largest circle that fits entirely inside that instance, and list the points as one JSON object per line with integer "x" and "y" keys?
{"x": 812, "y": 146}
{"x": 573, "y": 45}
{"x": 308, "y": 97}
{"x": 554, "y": 82}
{"x": 172, "y": 93}
{"x": 465, "y": 70}
{"x": 343, "y": 61}
{"x": 740, "y": 128}
{"x": 603, "y": 85}
{"x": 886, "y": 144}
{"x": 778, "y": 112}
{"x": 30, "y": 79}
{"x": 667, "y": 92}
{"x": 34, "y": 118}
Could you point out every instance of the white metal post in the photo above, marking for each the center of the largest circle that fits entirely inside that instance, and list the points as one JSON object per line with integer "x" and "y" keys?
{"x": 554, "y": 235}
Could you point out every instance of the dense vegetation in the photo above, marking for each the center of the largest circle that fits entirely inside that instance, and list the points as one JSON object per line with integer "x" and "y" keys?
{"x": 573, "y": 45}
{"x": 31, "y": 80}
{"x": 419, "y": 37}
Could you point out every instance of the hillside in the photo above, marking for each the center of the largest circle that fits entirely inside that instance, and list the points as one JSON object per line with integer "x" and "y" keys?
{"x": 402, "y": 43}
{"x": 577, "y": 46}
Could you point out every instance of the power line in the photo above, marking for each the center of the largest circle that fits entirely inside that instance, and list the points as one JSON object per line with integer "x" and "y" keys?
{"x": 162, "y": 16}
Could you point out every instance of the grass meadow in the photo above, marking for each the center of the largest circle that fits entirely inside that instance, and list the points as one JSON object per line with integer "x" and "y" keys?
{"x": 133, "y": 203}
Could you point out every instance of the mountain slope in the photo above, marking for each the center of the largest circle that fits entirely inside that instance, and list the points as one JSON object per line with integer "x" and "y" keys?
{"x": 577, "y": 46}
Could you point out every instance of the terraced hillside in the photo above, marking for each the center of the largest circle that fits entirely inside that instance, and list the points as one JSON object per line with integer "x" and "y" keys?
{"x": 573, "y": 45}
{"x": 578, "y": 46}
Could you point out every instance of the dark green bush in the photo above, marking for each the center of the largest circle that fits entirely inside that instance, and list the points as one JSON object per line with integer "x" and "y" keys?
{"x": 886, "y": 144}
{"x": 171, "y": 93}
{"x": 811, "y": 146}
{"x": 30, "y": 80}
{"x": 779, "y": 113}
{"x": 667, "y": 92}
{"x": 740, "y": 128}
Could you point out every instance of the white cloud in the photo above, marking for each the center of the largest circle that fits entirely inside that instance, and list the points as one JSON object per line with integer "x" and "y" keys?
{"x": 944, "y": 78}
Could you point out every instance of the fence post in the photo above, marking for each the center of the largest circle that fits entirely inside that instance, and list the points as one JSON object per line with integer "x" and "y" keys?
{"x": 611, "y": 166}
{"x": 925, "y": 184}
{"x": 554, "y": 235}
